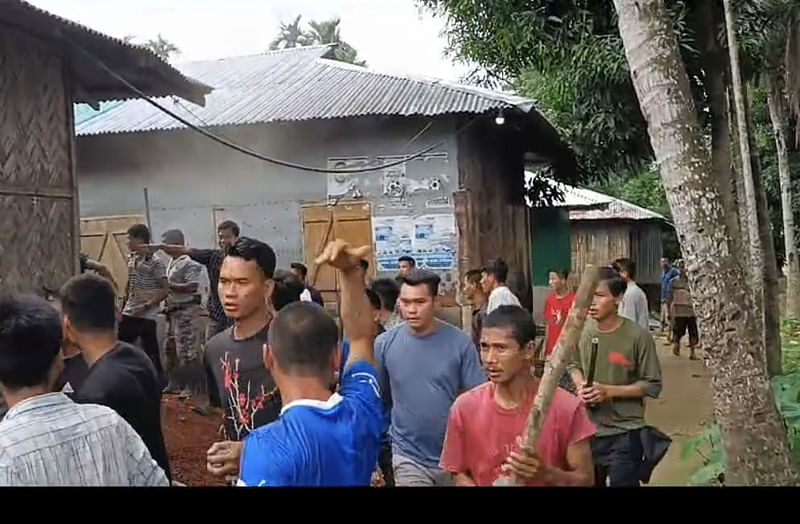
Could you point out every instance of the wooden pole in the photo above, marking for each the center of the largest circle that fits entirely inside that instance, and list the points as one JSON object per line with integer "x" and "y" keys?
{"x": 557, "y": 364}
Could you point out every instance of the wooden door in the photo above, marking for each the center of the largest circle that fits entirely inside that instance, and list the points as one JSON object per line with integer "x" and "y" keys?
{"x": 351, "y": 221}
{"x": 105, "y": 239}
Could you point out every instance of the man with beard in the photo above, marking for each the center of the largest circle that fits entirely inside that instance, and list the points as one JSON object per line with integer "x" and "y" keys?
{"x": 627, "y": 372}
{"x": 487, "y": 424}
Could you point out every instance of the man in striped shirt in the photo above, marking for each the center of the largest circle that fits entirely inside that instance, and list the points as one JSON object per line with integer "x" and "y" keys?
{"x": 45, "y": 438}
{"x": 147, "y": 287}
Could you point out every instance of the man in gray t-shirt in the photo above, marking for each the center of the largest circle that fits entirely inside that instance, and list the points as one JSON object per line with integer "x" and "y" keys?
{"x": 634, "y": 302}
{"x": 424, "y": 364}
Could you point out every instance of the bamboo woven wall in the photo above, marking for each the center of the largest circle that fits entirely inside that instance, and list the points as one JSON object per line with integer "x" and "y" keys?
{"x": 38, "y": 244}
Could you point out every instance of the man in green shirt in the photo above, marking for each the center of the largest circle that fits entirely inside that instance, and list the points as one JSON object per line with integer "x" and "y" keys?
{"x": 626, "y": 372}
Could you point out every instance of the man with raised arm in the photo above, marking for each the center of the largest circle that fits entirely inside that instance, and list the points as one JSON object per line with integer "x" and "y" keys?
{"x": 321, "y": 438}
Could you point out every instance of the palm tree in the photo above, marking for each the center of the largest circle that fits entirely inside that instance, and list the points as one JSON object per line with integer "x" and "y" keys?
{"x": 325, "y": 32}
{"x": 774, "y": 26}
{"x": 291, "y": 35}
{"x": 744, "y": 407}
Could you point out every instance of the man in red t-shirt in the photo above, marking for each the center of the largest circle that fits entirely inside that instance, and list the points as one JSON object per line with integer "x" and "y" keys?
{"x": 556, "y": 308}
{"x": 487, "y": 423}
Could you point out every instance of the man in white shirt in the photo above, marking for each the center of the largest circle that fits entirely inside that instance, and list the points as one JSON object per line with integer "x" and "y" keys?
{"x": 634, "y": 302}
{"x": 494, "y": 285}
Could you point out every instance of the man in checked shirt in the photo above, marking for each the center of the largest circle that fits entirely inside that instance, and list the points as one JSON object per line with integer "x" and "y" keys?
{"x": 227, "y": 235}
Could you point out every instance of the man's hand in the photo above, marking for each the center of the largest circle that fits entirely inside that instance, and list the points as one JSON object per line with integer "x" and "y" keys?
{"x": 342, "y": 256}
{"x": 524, "y": 464}
{"x": 594, "y": 394}
{"x": 222, "y": 458}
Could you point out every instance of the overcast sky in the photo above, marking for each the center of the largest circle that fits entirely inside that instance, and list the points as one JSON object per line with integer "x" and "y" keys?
{"x": 392, "y": 35}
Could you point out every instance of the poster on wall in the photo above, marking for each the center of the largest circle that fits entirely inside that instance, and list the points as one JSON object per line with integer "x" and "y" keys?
{"x": 345, "y": 185}
{"x": 434, "y": 243}
{"x": 393, "y": 239}
{"x": 430, "y": 239}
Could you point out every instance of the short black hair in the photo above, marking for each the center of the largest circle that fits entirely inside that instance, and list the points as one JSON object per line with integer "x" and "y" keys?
{"x": 562, "y": 273}
{"x": 288, "y": 288}
{"x": 364, "y": 264}
{"x": 374, "y": 299}
{"x": 498, "y": 269}
{"x": 627, "y": 265}
{"x": 252, "y": 249}
{"x": 300, "y": 268}
{"x": 474, "y": 276}
{"x": 89, "y": 302}
{"x": 302, "y": 338}
{"x": 521, "y": 323}
{"x": 417, "y": 277}
{"x": 616, "y": 285}
{"x": 140, "y": 231}
{"x": 30, "y": 341}
{"x": 406, "y": 258}
{"x": 229, "y": 224}
{"x": 174, "y": 236}
{"x": 388, "y": 291}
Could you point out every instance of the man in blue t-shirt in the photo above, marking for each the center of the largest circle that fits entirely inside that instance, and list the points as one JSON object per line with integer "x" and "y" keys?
{"x": 424, "y": 365}
{"x": 320, "y": 439}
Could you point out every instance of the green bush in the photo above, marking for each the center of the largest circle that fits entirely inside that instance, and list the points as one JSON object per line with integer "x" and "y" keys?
{"x": 785, "y": 388}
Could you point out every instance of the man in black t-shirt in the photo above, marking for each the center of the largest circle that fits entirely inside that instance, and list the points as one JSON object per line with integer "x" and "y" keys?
{"x": 233, "y": 359}
{"x": 121, "y": 376}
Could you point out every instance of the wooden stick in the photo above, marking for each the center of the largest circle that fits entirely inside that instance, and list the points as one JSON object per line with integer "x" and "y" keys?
{"x": 555, "y": 366}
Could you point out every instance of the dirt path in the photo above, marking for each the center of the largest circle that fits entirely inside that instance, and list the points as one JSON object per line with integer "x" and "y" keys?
{"x": 682, "y": 410}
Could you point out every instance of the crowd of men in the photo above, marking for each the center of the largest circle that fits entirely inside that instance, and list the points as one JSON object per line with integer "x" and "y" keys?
{"x": 390, "y": 393}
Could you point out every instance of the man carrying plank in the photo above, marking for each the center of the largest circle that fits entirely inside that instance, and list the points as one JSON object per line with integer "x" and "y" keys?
{"x": 626, "y": 371}
{"x": 486, "y": 425}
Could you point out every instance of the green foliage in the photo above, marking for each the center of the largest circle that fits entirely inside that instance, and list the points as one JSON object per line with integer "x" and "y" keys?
{"x": 708, "y": 444}
{"x": 160, "y": 46}
{"x": 320, "y": 32}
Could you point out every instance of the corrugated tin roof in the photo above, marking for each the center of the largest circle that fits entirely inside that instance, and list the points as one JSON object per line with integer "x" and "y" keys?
{"x": 136, "y": 64}
{"x": 585, "y": 204}
{"x": 300, "y": 84}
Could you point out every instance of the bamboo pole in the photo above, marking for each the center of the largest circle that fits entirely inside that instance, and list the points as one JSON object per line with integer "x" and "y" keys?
{"x": 557, "y": 364}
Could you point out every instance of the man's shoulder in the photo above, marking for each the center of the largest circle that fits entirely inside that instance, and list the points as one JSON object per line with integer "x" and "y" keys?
{"x": 219, "y": 342}
{"x": 564, "y": 401}
{"x": 452, "y": 332}
{"x": 473, "y": 398}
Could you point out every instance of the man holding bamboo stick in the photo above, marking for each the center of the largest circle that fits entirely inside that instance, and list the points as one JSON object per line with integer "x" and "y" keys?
{"x": 486, "y": 425}
{"x": 614, "y": 368}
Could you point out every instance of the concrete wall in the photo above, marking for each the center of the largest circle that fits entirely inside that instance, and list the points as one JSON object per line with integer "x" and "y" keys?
{"x": 193, "y": 183}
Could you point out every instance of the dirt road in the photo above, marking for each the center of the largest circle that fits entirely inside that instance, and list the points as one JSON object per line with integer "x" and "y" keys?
{"x": 684, "y": 407}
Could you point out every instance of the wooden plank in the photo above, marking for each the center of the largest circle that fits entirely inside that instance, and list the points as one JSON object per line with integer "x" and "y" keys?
{"x": 105, "y": 239}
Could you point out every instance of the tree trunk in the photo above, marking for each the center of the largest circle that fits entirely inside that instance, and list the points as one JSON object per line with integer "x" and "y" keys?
{"x": 741, "y": 199}
{"x": 756, "y": 445}
{"x": 771, "y": 301}
{"x": 764, "y": 278}
{"x": 713, "y": 59}
{"x": 779, "y": 113}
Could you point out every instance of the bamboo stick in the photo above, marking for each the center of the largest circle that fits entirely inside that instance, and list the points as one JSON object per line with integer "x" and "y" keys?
{"x": 555, "y": 366}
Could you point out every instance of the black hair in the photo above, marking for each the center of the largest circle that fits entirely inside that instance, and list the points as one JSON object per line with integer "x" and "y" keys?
{"x": 302, "y": 337}
{"x": 627, "y": 265}
{"x": 374, "y": 299}
{"x": 388, "y": 291}
{"x": 174, "y": 236}
{"x": 30, "y": 341}
{"x": 252, "y": 249}
{"x": 300, "y": 268}
{"x": 523, "y": 329}
{"x": 616, "y": 285}
{"x": 474, "y": 276}
{"x": 419, "y": 277}
{"x": 140, "y": 231}
{"x": 229, "y": 224}
{"x": 288, "y": 288}
{"x": 562, "y": 273}
{"x": 89, "y": 301}
{"x": 498, "y": 269}
{"x": 406, "y": 258}
{"x": 364, "y": 264}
